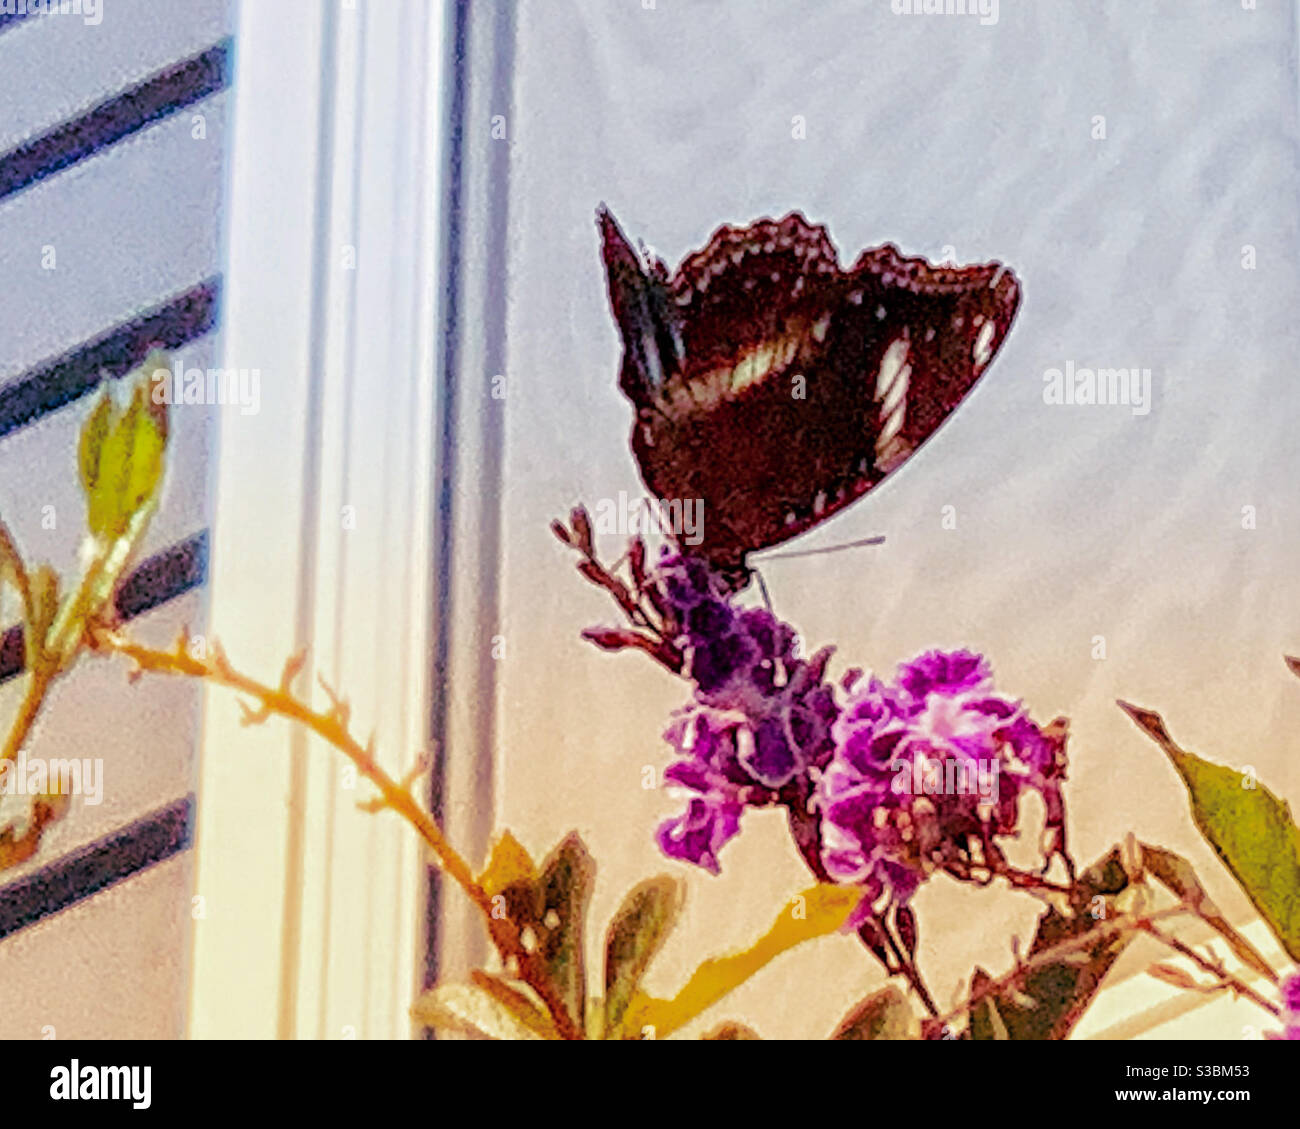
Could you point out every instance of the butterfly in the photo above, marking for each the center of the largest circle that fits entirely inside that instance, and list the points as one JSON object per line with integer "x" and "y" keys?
{"x": 775, "y": 388}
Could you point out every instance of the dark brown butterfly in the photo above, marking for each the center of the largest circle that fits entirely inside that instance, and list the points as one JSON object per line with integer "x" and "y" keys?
{"x": 775, "y": 387}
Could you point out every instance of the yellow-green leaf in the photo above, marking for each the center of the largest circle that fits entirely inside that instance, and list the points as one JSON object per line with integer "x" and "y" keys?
{"x": 466, "y": 1009}
{"x": 1249, "y": 827}
{"x": 885, "y": 1014}
{"x": 508, "y": 864}
{"x": 814, "y": 913}
{"x": 121, "y": 459}
{"x": 986, "y": 1021}
{"x": 104, "y": 468}
{"x": 146, "y": 461}
{"x": 90, "y": 450}
{"x": 1176, "y": 874}
{"x": 635, "y": 935}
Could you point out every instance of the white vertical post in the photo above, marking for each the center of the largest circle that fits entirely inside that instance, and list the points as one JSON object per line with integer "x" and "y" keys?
{"x": 310, "y": 907}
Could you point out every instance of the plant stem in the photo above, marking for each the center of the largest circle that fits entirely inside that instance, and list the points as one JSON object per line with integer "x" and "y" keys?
{"x": 38, "y": 686}
{"x": 1226, "y": 979}
{"x": 908, "y": 967}
{"x": 1025, "y": 880}
{"x": 1073, "y": 944}
{"x": 332, "y": 728}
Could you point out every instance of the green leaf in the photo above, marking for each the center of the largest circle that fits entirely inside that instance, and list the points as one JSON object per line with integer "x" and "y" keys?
{"x": 635, "y": 935}
{"x": 1249, "y": 827}
{"x": 1176, "y": 874}
{"x": 1047, "y": 1001}
{"x": 467, "y": 1009}
{"x": 564, "y": 890}
{"x": 986, "y": 1022}
{"x": 882, "y": 1015}
{"x": 90, "y": 450}
{"x": 518, "y": 999}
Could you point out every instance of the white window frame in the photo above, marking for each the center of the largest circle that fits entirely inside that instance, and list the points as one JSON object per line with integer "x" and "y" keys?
{"x": 308, "y": 911}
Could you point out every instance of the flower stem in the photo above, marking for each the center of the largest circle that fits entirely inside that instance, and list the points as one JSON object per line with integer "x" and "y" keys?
{"x": 908, "y": 967}
{"x": 1226, "y": 979}
{"x": 332, "y": 727}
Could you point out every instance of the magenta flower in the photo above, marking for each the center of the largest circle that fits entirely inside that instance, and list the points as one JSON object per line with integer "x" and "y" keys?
{"x": 759, "y": 721}
{"x": 899, "y": 780}
{"x": 883, "y": 782}
{"x": 711, "y": 771}
{"x": 926, "y": 772}
{"x": 1290, "y": 990}
{"x": 1291, "y": 993}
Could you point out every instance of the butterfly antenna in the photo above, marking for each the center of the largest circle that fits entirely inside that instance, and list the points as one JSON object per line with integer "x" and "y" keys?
{"x": 819, "y": 552}
{"x": 767, "y": 596}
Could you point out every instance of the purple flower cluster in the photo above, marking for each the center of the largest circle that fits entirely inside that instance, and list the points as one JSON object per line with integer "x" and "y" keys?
{"x": 760, "y": 720}
{"x": 903, "y": 779}
{"x": 926, "y": 771}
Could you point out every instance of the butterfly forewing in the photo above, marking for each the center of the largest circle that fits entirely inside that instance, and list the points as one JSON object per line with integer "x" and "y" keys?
{"x": 646, "y": 313}
{"x": 749, "y": 287}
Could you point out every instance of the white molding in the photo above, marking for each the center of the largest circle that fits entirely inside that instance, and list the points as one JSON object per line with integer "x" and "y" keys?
{"x": 312, "y": 908}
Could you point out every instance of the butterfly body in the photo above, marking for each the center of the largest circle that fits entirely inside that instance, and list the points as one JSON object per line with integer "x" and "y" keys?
{"x": 777, "y": 388}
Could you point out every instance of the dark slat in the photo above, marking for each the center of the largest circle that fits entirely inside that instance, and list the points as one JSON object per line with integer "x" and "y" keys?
{"x": 164, "y": 93}
{"x": 76, "y": 876}
{"x": 175, "y": 323}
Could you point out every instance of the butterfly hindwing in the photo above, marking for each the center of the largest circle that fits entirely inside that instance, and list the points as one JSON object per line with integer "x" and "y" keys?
{"x": 944, "y": 323}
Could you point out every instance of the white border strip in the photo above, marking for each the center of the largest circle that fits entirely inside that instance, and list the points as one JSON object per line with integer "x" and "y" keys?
{"x": 310, "y": 907}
